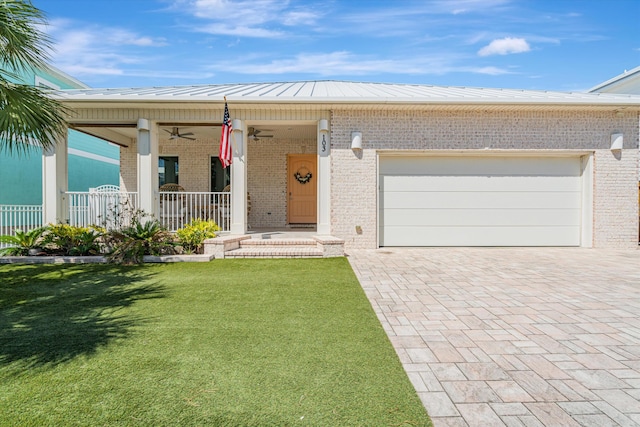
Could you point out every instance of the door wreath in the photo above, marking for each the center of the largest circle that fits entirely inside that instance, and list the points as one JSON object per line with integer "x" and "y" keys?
{"x": 301, "y": 176}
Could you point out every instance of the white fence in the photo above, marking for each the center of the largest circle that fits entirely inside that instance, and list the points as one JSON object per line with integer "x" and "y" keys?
{"x": 110, "y": 209}
{"x": 178, "y": 208}
{"x": 22, "y": 217}
{"x": 105, "y": 209}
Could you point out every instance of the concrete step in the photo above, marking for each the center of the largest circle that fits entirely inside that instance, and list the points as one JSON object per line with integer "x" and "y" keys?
{"x": 261, "y": 251}
{"x": 276, "y": 248}
{"x": 278, "y": 242}
{"x": 244, "y": 246}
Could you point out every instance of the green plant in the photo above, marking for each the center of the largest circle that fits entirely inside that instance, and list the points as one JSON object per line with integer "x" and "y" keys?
{"x": 193, "y": 235}
{"x": 64, "y": 239}
{"x": 22, "y": 242}
{"x": 130, "y": 244}
{"x": 29, "y": 116}
{"x": 123, "y": 214}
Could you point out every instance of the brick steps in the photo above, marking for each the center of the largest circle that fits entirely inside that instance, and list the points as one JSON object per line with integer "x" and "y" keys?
{"x": 276, "y": 248}
{"x": 278, "y": 242}
{"x": 275, "y": 252}
{"x": 247, "y": 247}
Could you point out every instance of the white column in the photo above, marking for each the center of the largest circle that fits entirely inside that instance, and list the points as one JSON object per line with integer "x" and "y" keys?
{"x": 324, "y": 178}
{"x": 239, "y": 178}
{"x": 55, "y": 207}
{"x": 147, "y": 166}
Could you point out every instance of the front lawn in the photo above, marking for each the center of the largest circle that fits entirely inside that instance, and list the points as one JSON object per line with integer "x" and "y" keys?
{"x": 225, "y": 343}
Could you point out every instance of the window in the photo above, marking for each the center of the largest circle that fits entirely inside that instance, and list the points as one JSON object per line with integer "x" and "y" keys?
{"x": 168, "y": 170}
{"x": 220, "y": 177}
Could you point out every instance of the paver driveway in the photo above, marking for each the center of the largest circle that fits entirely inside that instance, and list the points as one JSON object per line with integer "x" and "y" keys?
{"x": 513, "y": 336}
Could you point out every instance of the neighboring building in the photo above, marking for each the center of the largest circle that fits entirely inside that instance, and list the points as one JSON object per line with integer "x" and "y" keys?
{"x": 627, "y": 82}
{"x": 384, "y": 164}
{"x": 92, "y": 162}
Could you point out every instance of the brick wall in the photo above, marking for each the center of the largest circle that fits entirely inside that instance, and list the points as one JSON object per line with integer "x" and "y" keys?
{"x": 354, "y": 177}
{"x": 194, "y": 159}
{"x": 266, "y": 171}
{"x": 354, "y": 181}
{"x": 267, "y": 179}
{"x": 615, "y": 199}
{"x": 129, "y": 167}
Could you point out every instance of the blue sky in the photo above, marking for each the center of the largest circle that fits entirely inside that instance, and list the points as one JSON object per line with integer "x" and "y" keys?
{"x": 567, "y": 45}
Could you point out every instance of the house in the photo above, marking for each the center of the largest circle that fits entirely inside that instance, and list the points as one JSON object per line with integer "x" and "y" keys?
{"x": 627, "y": 82}
{"x": 380, "y": 164}
{"x": 91, "y": 162}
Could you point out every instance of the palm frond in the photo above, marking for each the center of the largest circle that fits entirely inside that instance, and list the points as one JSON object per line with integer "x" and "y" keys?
{"x": 29, "y": 117}
{"x": 22, "y": 42}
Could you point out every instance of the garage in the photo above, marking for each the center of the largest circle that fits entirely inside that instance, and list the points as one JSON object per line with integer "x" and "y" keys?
{"x": 506, "y": 200}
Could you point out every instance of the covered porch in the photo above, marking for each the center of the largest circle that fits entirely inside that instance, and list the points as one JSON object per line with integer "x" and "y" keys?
{"x": 279, "y": 177}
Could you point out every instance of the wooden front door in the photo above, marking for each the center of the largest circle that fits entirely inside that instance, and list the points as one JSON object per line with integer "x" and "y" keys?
{"x": 302, "y": 183}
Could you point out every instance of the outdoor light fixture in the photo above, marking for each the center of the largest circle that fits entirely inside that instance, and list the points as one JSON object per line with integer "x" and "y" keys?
{"x": 616, "y": 141}
{"x": 143, "y": 124}
{"x": 356, "y": 140}
{"x": 323, "y": 125}
{"x": 236, "y": 130}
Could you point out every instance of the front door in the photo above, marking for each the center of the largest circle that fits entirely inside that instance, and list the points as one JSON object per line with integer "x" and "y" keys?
{"x": 302, "y": 188}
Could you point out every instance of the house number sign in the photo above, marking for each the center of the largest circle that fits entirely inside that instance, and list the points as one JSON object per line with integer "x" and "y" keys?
{"x": 323, "y": 144}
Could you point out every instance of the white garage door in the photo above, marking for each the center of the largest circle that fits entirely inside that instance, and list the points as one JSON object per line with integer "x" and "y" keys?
{"x": 480, "y": 201}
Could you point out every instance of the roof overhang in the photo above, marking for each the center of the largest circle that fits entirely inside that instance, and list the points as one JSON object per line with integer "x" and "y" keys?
{"x": 332, "y": 95}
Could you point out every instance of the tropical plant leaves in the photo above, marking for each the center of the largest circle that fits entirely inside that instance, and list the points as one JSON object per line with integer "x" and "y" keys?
{"x": 28, "y": 116}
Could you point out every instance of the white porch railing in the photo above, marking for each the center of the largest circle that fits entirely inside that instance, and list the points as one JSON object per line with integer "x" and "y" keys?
{"x": 22, "y": 217}
{"x": 105, "y": 209}
{"x": 178, "y": 208}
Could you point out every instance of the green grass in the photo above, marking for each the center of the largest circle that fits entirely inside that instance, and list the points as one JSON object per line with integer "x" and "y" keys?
{"x": 226, "y": 343}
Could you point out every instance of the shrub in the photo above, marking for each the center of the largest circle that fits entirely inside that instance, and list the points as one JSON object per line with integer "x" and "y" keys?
{"x": 22, "y": 242}
{"x": 64, "y": 239}
{"x": 193, "y": 235}
{"x": 130, "y": 244}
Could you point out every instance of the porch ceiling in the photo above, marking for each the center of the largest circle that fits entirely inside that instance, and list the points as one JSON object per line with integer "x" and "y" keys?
{"x": 124, "y": 134}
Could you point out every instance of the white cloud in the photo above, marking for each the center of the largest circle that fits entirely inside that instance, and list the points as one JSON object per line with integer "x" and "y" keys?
{"x": 492, "y": 71}
{"x": 246, "y": 18}
{"x": 457, "y": 7}
{"x": 239, "y": 31}
{"x": 97, "y": 50}
{"x": 505, "y": 46}
{"x": 341, "y": 63}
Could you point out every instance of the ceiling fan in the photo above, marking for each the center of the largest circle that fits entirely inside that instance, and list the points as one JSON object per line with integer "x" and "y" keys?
{"x": 256, "y": 134}
{"x": 175, "y": 134}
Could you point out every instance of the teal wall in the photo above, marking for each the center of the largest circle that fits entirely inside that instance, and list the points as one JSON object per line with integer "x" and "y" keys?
{"x": 21, "y": 178}
{"x": 95, "y": 163}
{"x": 21, "y": 175}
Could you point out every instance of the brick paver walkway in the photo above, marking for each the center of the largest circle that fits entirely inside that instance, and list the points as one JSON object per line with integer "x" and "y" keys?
{"x": 513, "y": 336}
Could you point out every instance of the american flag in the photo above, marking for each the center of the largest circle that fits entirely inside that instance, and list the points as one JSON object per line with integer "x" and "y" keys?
{"x": 225, "y": 143}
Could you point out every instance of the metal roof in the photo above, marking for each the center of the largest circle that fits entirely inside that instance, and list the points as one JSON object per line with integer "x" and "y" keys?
{"x": 342, "y": 92}
{"x": 620, "y": 78}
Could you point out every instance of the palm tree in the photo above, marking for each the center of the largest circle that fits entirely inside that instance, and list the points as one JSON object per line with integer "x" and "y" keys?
{"x": 27, "y": 114}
